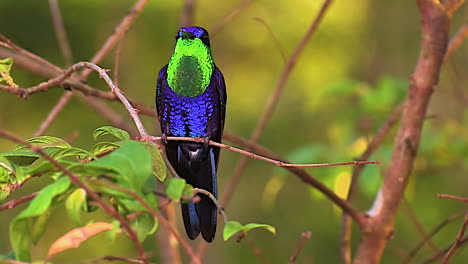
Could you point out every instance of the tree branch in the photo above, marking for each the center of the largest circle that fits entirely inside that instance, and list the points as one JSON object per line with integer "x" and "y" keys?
{"x": 345, "y": 248}
{"x": 435, "y": 27}
{"x": 13, "y": 203}
{"x": 457, "y": 241}
{"x": 304, "y": 237}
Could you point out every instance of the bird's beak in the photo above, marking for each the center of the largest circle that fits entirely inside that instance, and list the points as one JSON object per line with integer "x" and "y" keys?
{"x": 185, "y": 35}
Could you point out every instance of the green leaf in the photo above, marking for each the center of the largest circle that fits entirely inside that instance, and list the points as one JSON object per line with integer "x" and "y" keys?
{"x": 233, "y": 227}
{"x": 75, "y": 203}
{"x": 144, "y": 225}
{"x": 175, "y": 188}
{"x": 131, "y": 162}
{"x": 10, "y": 177}
{"x": 40, "y": 224}
{"x": 21, "y": 158}
{"x": 108, "y": 130}
{"x": 159, "y": 166}
{"x": 44, "y": 142}
{"x": 111, "y": 234}
{"x": 5, "y": 67}
{"x": 103, "y": 146}
{"x": 71, "y": 152}
{"x": 20, "y": 230}
{"x": 5, "y": 64}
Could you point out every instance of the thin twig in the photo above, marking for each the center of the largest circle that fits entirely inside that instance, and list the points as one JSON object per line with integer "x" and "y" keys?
{"x": 273, "y": 101}
{"x": 279, "y": 47}
{"x": 60, "y": 32}
{"x": 409, "y": 212}
{"x": 12, "y": 261}
{"x": 302, "y": 175}
{"x": 346, "y": 230}
{"x": 438, "y": 255}
{"x": 452, "y": 5}
{"x": 228, "y": 17}
{"x": 304, "y": 237}
{"x": 116, "y": 258}
{"x": 431, "y": 234}
{"x": 65, "y": 48}
{"x": 249, "y": 154}
{"x": 188, "y": 10}
{"x": 9, "y": 44}
{"x": 457, "y": 241}
{"x": 453, "y": 197}
{"x": 215, "y": 201}
{"x": 117, "y": 34}
{"x": 62, "y": 102}
{"x": 257, "y": 251}
{"x": 456, "y": 41}
{"x": 77, "y": 181}
{"x": 13, "y": 203}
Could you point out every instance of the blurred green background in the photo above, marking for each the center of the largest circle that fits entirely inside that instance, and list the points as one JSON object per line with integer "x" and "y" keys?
{"x": 350, "y": 77}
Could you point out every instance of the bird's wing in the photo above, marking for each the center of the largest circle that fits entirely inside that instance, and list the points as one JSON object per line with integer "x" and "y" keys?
{"x": 221, "y": 87}
{"x": 162, "y": 77}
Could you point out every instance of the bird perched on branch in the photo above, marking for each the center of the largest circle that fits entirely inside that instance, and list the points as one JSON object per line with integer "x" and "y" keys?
{"x": 191, "y": 102}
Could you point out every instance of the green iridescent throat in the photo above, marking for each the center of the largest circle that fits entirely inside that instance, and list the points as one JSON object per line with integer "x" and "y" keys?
{"x": 190, "y": 67}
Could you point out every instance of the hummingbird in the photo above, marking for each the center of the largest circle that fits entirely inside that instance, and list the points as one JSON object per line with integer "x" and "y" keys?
{"x": 191, "y": 102}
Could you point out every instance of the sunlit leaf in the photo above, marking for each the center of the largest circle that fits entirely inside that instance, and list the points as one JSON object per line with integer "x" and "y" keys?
{"x": 159, "y": 167}
{"x": 40, "y": 224}
{"x": 71, "y": 152}
{"x": 103, "y": 147}
{"x": 20, "y": 229}
{"x": 144, "y": 225}
{"x": 113, "y": 131}
{"x": 74, "y": 204}
{"x": 131, "y": 162}
{"x": 175, "y": 188}
{"x": 5, "y": 67}
{"x": 44, "y": 142}
{"x": 233, "y": 227}
{"x": 75, "y": 237}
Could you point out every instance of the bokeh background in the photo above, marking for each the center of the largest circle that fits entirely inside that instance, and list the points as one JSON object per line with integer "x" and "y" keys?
{"x": 351, "y": 75}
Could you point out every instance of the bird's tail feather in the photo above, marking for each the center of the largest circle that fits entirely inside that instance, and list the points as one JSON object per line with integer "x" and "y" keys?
{"x": 197, "y": 164}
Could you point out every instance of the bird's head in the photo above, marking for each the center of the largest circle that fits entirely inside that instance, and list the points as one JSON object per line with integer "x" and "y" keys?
{"x": 188, "y": 34}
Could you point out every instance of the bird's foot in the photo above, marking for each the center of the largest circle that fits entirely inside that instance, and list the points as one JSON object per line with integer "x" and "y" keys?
{"x": 206, "y": 142}
{"x": 164, "y": 138}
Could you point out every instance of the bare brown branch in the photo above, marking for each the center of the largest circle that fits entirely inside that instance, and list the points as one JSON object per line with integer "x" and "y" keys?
{"x": 273, "y": 101}
{"x": 228, "y": 17}
{"x": 431, "y": 234}
{"x": 345, "y": 248}
{"x": 456, "y": 41}
{"x": 304, "y": 237}
{"x": 13, "y": 203}
{"x": 117, "y": 34}
{"x": 457, "y": 241}
{"x": 435, "y": 27}
{"x": 453, "y": 197}
{"x": 62, "y": 102}
{"x": 188, "y": 13}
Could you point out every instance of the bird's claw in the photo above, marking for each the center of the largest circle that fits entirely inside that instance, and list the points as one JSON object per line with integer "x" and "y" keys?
{"x": 164, "y": 138}
{"x": 206, "y": 142}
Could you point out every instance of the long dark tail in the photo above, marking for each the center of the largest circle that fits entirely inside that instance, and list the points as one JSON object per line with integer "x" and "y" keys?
{"x": 197, "y": 164}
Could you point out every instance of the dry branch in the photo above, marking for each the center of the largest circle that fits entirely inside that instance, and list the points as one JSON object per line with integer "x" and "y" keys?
{"x": 379, "y": 228}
